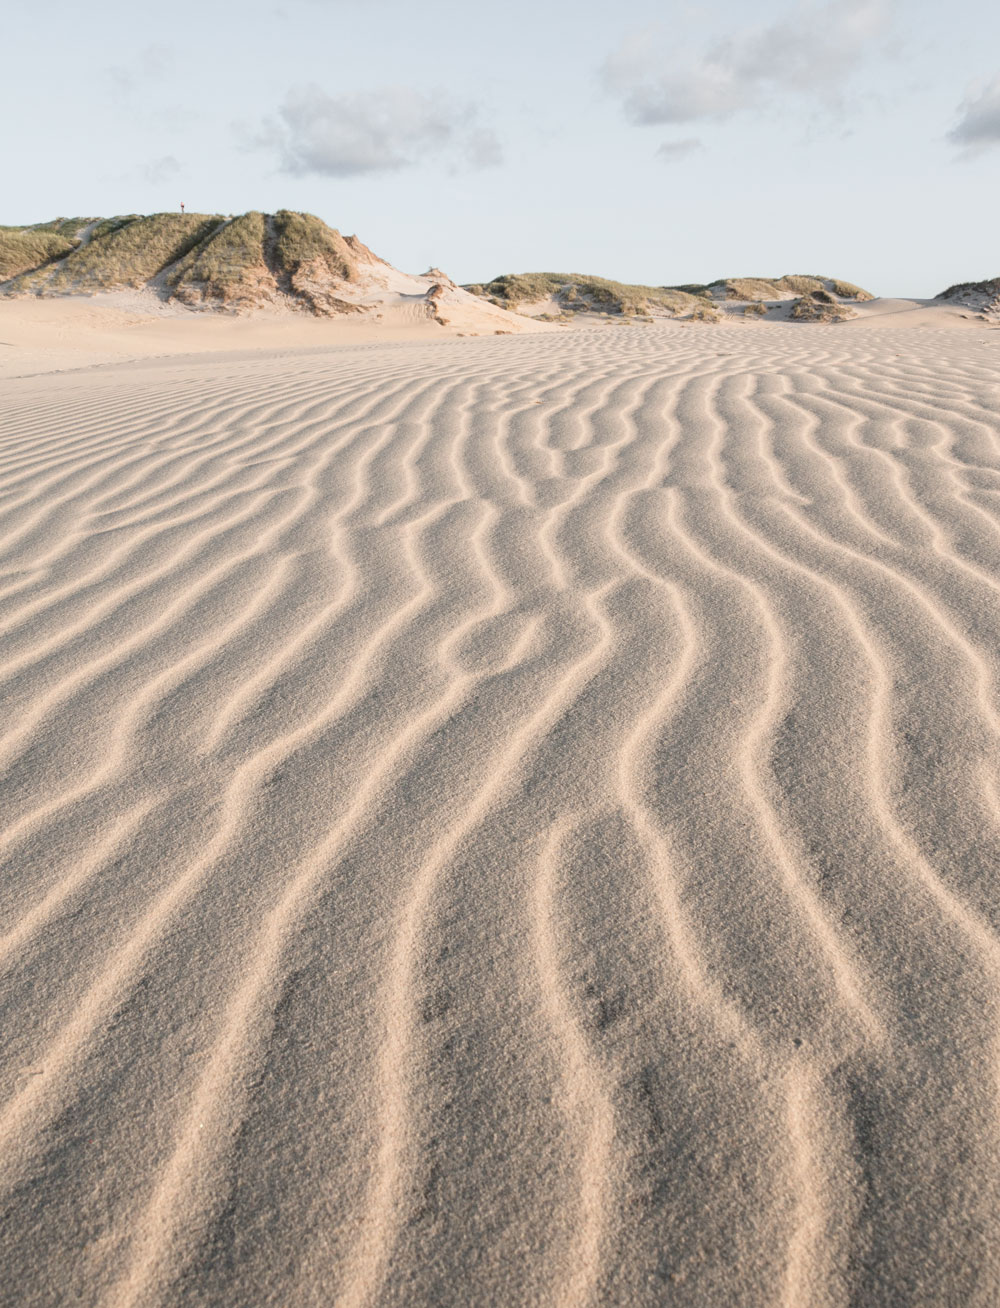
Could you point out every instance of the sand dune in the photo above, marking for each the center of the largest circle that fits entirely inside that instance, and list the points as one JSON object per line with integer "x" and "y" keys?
{"x": 504, "y": 821}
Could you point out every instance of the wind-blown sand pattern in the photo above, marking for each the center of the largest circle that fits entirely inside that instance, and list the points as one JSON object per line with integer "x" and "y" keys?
{"x": 504, "y": 821}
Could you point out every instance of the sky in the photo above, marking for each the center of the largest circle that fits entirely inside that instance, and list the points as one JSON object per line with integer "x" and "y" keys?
{"x": 659, "y": 143}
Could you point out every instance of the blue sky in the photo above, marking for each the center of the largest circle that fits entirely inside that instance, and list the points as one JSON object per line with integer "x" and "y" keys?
{"x": 651, "y": 142}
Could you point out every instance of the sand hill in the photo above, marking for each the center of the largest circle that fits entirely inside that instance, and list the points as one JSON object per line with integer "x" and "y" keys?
{"x": 79, "y": 291}
{"x": 561, "y": 296}
{"x": 255, "y": 261}
{"x": 983, "y": 298}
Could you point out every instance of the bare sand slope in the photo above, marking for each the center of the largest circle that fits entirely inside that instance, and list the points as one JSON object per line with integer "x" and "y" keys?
{"x": 506, "y": 821}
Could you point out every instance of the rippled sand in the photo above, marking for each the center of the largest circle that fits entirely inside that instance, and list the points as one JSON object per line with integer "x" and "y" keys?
{"x": 509, "y": 821}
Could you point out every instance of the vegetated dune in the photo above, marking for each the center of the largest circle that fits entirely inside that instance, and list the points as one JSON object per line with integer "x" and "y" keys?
{"x": 783, "y": 288}
{"x": 504, "y": 822}
{"x": 819, "y": 306}
{"x": 22, "y": 251}
{"x": 982, "y": 297}
{"x": 561, "y": 296}
{"x": 248, "y": 263}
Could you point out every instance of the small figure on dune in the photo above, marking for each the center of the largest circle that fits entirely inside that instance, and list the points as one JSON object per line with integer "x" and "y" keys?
{"x": 182, "y": 206}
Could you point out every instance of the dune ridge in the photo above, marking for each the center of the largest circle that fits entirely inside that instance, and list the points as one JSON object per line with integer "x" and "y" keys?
{"x": 504, "y": 821}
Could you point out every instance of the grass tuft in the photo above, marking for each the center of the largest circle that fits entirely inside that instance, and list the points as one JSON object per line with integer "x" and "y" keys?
{"x": 848, "y": 291}
{"x": 819, "y": 306}
{"x": 989, "y": 287}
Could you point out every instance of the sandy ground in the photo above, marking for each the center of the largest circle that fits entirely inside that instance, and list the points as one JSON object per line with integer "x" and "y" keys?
{"x": 504, "y": 821}
{"x": 46, "y": 335}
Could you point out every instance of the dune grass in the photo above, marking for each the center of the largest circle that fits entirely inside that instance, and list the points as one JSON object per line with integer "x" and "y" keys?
{"x": 227, "y": 265}
{"x": 301, "y": 239}
{"x": 575, "y": 293}
{"x": 120, "y": 254}
{"x": 203, "y": 257}
{"x": 578, "y": 292}
{"x": 800, "y": 284}
{"x": 23, "y": 250}
{"x": 757, "y": 289}
{"x": 310, "y": 261}
{"x": 705, "y": 312}
{"x": 107, "y": 226}
{"x": 991, "y": 286}
{"x": 68, "y": 227}
{"x": 819, "y": 306}
{"x": 848, "y": 291}
{"x": 747, "y": 288}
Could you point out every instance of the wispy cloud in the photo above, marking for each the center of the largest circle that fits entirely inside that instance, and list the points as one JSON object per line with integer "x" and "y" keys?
{"x": 979, "y": 126}
{"x": 810, "y": 53}
{"x": 678, "y": 149}
{"x": 149, "y": 64}
{"x": 160, "y": 170}
{"x": 374, "y": 131}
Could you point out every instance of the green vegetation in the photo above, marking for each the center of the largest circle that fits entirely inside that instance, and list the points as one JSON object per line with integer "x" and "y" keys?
{"x": 757, "y": 289}
{"x": 301, "y": 240}
{"x": 848, "y": 291}
{"x": 802, "y": 285}
{"x": 305, "y": 256}
{"x": 256, "y": 258}
{"x": 578, "y": 293}
{"x": 523, "y": 288}
{"x": 747, "y": 288}
{"x": 128, "y": 253}
{"x": 705, "y": 313}
{"x": 22, "y": 250}
{"x": 106, "y": 226}
{"x": 68, "y": 227}
{"x": 196, "y": 258}
{"x": 819, "y": 306}
{"x": 756, "y": 309}
{"x": 574, "y": 293}
{"x": 962, "y": 289}
{"x": 227, "y": 265}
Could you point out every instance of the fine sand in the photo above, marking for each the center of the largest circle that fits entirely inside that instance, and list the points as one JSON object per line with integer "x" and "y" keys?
{"x": 43, "y": 335}
{"x": 504, "y": 822}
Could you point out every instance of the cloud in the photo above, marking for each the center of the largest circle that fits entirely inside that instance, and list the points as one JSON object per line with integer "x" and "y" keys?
{"x": 979, "y": 127}
{"x": 160, "y": 170}
{"x": 374, "y": 131}
{"x": 149, "y": 64}
{"x": 811, "y": 53}
{"x": 678, "y": 149}
{"x": 482, "y": 149}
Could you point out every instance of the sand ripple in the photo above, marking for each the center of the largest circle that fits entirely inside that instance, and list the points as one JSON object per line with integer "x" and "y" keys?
{"x": 504, "y": 822}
